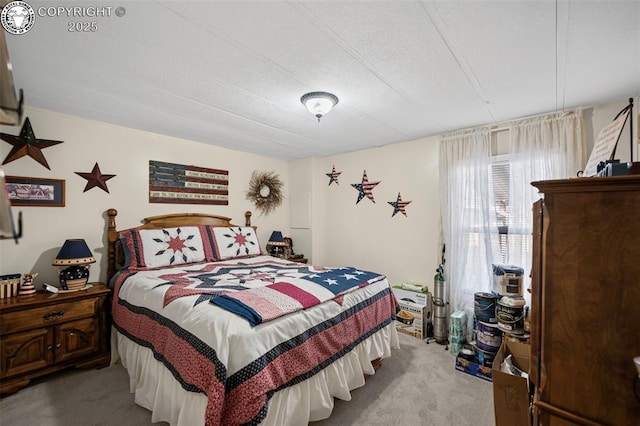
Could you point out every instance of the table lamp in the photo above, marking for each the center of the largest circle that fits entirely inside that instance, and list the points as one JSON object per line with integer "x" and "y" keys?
{"x": 74, "y": 258}
{"x": 277, "y": 245}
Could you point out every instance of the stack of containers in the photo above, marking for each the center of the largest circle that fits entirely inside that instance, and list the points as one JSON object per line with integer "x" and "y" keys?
{"x": 511, "y": 310}
{"x": 499, "y": 315}
{"x": 488, "y": 337}
{"x": 457, "y": 331}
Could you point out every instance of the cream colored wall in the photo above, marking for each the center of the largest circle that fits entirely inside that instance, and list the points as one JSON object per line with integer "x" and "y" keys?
{"x": 365, "y": 235}
{"x": 125, "y": 153}
{"x": 329, "y": 229}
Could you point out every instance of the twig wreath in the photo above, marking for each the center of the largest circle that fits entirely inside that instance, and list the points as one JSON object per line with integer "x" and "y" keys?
{"x": 265, "y": 191}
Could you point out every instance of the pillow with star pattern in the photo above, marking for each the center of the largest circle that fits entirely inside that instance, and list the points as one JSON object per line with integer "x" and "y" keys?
{"x": 235, "y": 242}
{"x": 151, "y": 248}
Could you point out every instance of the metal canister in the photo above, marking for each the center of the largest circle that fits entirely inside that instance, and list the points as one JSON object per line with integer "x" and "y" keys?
{"x": 439, "y": 307}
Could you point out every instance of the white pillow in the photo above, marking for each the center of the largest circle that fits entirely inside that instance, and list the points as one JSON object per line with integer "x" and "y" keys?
{"x": 236, "y": 242}
{"x": 171, "y": 246}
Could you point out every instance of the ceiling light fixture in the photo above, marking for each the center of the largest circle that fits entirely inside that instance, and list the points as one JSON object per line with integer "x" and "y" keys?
{"x": 319, "y": 103}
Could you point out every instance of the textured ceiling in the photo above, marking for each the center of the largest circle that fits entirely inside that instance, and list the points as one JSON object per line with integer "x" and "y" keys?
{"x": 231, "y": 73}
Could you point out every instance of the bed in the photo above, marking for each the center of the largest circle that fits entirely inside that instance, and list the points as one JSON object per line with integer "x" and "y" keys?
{"x": 212, "y": 331}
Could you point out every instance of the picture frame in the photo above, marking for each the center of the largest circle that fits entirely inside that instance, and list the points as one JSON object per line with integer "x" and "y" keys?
{"x": 31, "y": 191}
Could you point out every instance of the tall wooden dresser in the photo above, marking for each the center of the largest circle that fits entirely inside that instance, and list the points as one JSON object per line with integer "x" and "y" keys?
{"x": 585, "y": 305}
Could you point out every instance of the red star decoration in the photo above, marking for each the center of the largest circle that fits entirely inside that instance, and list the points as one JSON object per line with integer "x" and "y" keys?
{"x": 95, "y": 178}
{"x": 27, "y": 144}
{"x": 240, "y": 239}
{"x": 333, "y": 176}
{"x": 399, "y": 205}
{"x": 176, "y": 244}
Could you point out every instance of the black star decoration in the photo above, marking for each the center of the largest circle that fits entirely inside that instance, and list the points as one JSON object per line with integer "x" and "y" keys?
{"x": 399, "y": 205}
{"x": 27, "y": 144}
{"x": 95, "y": 178}
{"x": 333, "y": 176}
{"x": 365, "y": 189}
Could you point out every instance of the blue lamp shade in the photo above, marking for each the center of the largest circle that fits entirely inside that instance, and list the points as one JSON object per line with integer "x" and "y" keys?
{"x": 76, "y": 256}
{"x": 74, "y": 252}
{"x": 276, "y": 239}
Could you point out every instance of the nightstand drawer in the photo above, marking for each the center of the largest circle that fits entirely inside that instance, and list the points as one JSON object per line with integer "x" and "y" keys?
{"x": 12, "y": 322}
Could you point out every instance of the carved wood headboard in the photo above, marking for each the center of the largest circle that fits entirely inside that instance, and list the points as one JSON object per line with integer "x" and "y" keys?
{"x": 115, "y": 258}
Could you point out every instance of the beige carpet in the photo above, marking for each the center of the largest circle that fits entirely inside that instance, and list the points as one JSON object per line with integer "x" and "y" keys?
{"x": 417, "y": 386}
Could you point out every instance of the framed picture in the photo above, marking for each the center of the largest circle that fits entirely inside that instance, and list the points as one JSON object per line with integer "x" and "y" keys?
{"x": 30, "y": 191}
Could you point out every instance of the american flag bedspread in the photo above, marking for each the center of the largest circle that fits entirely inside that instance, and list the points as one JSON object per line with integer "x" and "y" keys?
{"x": 237, "y": 364}
{"x": 292, "y": 291}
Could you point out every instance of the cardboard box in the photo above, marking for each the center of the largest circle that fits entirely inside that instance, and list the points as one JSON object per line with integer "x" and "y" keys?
{"x": 411, "y": 319}
{"x": 412, "y": 296}
{"x": 511, "y": 394}
{"x": 473, "y": 368}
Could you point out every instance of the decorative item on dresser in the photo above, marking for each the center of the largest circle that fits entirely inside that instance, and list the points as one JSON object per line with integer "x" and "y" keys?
{"x": 48, "y": 332}
{"x": 585, "y": 299}
{"x": 277, "y": 246}
{"x": 74, "y": 258}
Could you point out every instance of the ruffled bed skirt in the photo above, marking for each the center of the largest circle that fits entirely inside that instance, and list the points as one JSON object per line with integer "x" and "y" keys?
{"x": 156, "y": 389}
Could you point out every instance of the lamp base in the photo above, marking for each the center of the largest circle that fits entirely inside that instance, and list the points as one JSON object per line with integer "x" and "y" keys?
{"x": 74, "y": 285}
{"x": 74, "y": 277}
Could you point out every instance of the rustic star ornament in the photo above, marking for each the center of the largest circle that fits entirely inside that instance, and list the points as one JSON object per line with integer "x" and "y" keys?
{"x": 95, "y": 178}
{"x": 399, "y": 206}
{"x": 27, "y": 144}
{"x": 333, "y": 176}
{"x": 365, "y": 188}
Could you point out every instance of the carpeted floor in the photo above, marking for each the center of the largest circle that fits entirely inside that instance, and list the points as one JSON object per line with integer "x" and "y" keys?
{"x": 417, "y": 386}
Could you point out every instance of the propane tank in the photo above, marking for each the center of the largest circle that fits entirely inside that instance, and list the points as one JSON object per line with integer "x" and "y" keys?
{"x": 440, "y": 304}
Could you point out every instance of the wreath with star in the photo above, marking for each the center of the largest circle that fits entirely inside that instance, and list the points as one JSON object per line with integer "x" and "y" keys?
{"x": 265, "y": 191}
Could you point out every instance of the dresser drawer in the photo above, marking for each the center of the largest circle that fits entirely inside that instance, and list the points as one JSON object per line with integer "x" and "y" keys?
{"x": 12, "y": 322}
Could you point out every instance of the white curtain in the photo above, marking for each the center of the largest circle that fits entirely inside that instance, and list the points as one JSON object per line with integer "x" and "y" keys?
{"x": 545, "y": 147}
{"x": 468, "y": 218}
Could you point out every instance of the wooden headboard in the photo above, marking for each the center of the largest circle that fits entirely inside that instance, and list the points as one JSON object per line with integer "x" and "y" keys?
{"x": 115, "y": 258}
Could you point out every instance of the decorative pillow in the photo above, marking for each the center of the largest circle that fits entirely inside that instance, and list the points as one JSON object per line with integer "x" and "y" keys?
{"x": 235, "y": 242}
{"x": 150, "y": 248}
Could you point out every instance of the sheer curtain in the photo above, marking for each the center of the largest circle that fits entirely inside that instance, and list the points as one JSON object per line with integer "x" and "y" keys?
{"x": 551, "y": 146}
{"x": 468, "y": 216}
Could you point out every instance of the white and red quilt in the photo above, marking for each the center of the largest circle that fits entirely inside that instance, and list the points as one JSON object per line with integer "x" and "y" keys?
{"x": 294, "y": 328}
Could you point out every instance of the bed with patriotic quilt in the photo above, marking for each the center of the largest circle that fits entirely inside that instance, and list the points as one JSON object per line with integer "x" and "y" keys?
{"x": 214, "y": 332}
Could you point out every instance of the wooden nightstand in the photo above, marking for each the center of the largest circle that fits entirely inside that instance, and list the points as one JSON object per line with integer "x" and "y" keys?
{"x": 298, "y": 259}
{"x": 47, "y": 332}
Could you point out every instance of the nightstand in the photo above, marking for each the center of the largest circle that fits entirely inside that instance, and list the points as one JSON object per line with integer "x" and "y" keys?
{"x": 298, "y": 259}
{"x": 47, "y": 332}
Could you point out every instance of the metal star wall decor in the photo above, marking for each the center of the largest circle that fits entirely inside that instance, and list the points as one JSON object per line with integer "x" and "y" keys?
{"x": 399, "y": 205}
{"x": 27, "y": 144}
{"x": 95, "y": 178}
{"x": 365, "y": 188}
{"x": 333, "y": 176}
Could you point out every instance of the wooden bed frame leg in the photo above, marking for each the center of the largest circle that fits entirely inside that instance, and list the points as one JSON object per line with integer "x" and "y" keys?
{"x": 377, "y": 363}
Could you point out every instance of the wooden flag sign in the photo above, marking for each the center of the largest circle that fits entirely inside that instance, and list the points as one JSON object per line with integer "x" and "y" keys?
{"x": 180, "y": 184}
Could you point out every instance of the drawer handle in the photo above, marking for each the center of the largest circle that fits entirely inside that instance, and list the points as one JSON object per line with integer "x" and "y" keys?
{"x": 53, "y": 315}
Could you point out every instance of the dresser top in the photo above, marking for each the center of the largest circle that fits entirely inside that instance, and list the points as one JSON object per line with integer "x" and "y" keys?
{"x": 590, "y": 184}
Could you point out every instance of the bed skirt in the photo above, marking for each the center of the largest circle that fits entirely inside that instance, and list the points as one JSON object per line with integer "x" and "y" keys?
{"x": 156, "y": 389}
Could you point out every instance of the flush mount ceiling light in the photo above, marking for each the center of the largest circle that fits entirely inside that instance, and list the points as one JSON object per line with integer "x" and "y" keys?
{"x": 319, "y": 103}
